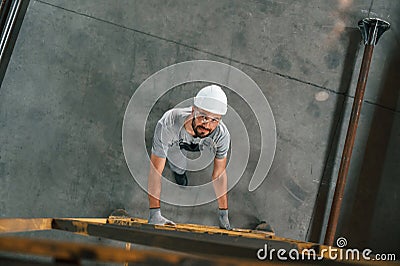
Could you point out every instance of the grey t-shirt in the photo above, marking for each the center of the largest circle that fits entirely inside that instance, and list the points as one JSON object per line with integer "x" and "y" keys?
{"x": 170, "y": 134}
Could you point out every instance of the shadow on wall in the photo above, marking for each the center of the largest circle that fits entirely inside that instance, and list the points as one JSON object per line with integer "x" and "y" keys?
{"x": 373, "y": 220}
{"x": 316, "y": 232}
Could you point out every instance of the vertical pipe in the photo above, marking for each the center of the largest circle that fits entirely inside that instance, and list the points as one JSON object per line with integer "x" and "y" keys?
{"x": 371, "y": 29}
{"x": 348, "y": 146}
{"x": 12, "y": 13}
{"x": 9, "y": 25}
{"x": 4, "y": 10}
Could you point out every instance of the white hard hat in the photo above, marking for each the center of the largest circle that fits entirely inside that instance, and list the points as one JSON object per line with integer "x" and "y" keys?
{"x": 212, "y": 99}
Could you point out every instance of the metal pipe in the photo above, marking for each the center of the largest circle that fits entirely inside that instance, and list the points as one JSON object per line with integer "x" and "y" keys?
{"x": 6, "y": 33}
{"x": 4, "y": 10}
{"x": 371, "y": 30}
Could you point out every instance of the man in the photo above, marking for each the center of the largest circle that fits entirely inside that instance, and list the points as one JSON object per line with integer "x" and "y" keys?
{"x": 195, "y": 129}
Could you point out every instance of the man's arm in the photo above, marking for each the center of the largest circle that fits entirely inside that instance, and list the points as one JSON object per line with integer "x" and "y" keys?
{"x": 154, "y": 191}
{"x": 220, "y": 182}
{"x": 154, "y": 181}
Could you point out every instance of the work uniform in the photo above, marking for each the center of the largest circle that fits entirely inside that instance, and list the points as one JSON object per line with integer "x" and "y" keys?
{"x": 182, "y": 150}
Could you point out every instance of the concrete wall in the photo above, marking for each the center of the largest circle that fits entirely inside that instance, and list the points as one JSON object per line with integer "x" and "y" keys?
{"x": 77, "y": 63}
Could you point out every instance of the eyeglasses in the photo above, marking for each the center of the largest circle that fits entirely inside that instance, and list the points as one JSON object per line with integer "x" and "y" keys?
{"x": 206, "y": 119}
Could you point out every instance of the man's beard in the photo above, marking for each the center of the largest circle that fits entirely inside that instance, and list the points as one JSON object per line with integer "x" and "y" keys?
{"x": 200, "y": 134}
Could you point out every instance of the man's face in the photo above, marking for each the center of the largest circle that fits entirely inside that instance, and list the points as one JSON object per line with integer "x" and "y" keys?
{"x": 204, "y": 123}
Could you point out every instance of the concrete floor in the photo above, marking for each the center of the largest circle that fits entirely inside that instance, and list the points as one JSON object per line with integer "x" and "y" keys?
{"x": 76, "y": 65}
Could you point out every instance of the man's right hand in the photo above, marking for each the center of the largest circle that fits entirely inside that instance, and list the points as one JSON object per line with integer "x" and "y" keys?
{"x": 155, "y": 217}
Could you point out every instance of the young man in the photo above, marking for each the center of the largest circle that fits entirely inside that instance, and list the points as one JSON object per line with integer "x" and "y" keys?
{"x": 195, "y": 129}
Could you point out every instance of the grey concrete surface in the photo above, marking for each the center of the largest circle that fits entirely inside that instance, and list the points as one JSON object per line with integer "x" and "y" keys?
{"x": 77, "y": 63}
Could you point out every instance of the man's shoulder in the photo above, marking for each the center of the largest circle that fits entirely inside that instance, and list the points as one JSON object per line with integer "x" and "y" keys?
{"x": 223, "y": 128}
{"x": 175, "y": 116}
{"x": 221, "y": 131}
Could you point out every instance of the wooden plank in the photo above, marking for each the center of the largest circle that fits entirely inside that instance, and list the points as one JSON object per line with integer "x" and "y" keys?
{"x": 213, "y": 230}
{"x": 194, "y": 242}
{"x": 29, "y": 262}
{"x": 199, "y": 240}
{"x": 89, "y": 220}
{"x": 194, "y": 228}
{"x": 13, "y": 225}
{"x": 69, "y": 251}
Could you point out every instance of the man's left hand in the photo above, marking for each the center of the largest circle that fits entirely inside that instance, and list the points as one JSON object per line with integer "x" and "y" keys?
{"x": 224, "y": 220}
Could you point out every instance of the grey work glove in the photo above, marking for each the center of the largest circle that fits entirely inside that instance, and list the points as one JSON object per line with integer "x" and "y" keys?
{"x": 155, "y": 217}
{"x": 224, "y": 220}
